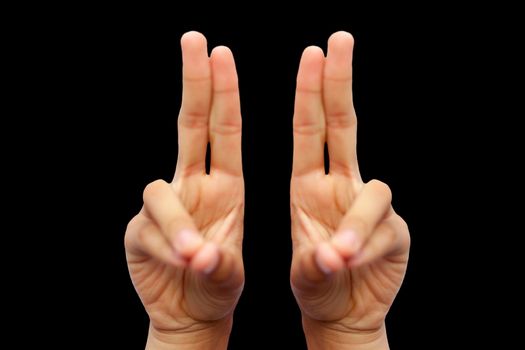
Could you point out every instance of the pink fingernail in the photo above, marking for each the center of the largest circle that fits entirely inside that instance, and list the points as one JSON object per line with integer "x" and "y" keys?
{"x": 347, "y": 239}
{"x": 187, "y": 239}
{"x": 213, "y": 264}
{"x": 322, "y": 266}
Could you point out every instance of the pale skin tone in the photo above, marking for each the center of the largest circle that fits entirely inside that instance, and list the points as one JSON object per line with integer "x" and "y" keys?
{"x": 350, "y": 247}
{"x": 184, "y": 247}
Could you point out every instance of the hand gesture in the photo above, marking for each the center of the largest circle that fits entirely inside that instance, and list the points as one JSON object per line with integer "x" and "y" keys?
{"x": 184, "y": 247}
{"x": 350, "y": 247}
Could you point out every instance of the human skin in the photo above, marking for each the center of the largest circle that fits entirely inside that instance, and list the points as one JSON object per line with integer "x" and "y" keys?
{"x": 184, "y": 246}
{"x": 350, "y": 248}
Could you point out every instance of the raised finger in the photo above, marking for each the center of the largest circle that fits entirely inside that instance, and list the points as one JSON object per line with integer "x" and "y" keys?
{"x": 370, "y": 207}
{"x": 308, "y": 121}
{"x": 225, "y": 122}
{"x": 196, "y": 102}
{"x": 341, "y": 121}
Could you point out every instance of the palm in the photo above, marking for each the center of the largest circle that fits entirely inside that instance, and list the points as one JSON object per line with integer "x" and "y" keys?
{"x": 324, "y": 199}
{"x": 175, "y": 292}
{"x": 360, "y": 296}
{"x": 212, "y": 201}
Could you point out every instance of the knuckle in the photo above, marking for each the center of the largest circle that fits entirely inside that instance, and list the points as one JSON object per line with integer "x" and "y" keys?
{"x": 340, "y": 119}
{"x": 192, "y": 120}
{"x": 381, "y": 188}
{"x": 308, "y": 128}
{"x": 153, "y": 189}
{"x": 227, "y": 128}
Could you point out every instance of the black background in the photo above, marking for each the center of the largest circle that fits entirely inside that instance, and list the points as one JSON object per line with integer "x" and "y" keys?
{"x": 120, "y": 78}
{"x": 143, "y": 87}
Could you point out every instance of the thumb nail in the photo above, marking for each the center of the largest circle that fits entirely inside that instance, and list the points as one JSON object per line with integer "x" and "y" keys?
{"x": 187, "y": 240}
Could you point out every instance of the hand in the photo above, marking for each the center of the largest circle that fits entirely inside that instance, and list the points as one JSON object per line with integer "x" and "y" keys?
{"x": 184, "y": 247}
{"x": 350, "y": 247}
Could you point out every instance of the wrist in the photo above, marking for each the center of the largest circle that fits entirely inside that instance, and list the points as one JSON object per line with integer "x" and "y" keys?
{"x": 336, "y": 336}
{"x": 212, "y": 335}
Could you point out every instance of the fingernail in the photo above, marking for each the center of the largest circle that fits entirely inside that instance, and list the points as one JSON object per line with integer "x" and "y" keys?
{"x": 322, "y": 266}
{"x": 346, "y": 239}
{"x": 213, "y": 264}
{"x": 187, "y": 240}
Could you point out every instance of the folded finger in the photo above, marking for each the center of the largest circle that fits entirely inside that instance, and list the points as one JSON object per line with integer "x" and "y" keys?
{"x": 176, "y": 225}
{"x": 149, "y": 240}
{"x": 370, "y": 207}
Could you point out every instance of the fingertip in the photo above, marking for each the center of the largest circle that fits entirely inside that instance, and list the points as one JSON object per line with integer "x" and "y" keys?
{"x": 328, "y": 260}
{"x": 187, "y": 242}
{"x": 195, "y": 60}
{"x": 339, "y": 55}
{"x": 341, "y": 38}
{"x": 309, "y": 76}
{"x": 153, "y": 190}
{"x": 222, "y": 59}
{"x": 206, "y": 259}
{"x": 225, "y": 80}
{"x": 311, "y": 59}
{"x": 312, "y": 54}
{"x": 221, "y": 51}
{"x": 346, "y": 243}
{"x": 212, "y": 265}
{"x": 381, "y": 188}
{"x": 322, "y": 266}
{"x": 192, "y": 39}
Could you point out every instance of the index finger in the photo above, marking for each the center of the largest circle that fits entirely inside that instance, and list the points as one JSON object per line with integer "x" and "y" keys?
{"x": 308, "y": 119}
{"x": 196, "y": 102}
{"x": 170, "y": 215}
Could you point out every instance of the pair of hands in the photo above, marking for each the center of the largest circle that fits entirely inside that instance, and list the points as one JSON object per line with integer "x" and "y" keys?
{"x": 184, "y": 248}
